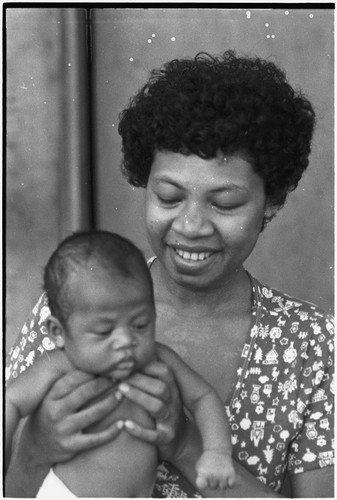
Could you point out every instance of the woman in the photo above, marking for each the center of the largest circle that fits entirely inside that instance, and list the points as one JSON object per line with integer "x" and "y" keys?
{"x": 218, "y": 143}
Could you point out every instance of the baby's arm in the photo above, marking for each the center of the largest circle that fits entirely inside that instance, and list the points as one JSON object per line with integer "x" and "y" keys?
{"x": 215, "y": 467}
{"x": 25, "y": 393}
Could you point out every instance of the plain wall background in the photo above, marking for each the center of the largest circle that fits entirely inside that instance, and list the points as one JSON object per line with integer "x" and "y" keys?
{"x": 48, "y": 178}
{"x": 294, "y": 254}
{"x": 33, "y": 127}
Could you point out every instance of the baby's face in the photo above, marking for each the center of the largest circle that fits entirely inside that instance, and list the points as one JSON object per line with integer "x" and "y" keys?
{"x": 111, "y": 331}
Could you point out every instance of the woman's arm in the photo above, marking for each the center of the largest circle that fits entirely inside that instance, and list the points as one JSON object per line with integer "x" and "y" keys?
{"x": 318, "y": 483}
{"x": 24, "y": 394}
{"x": 56, "y": 432}
{"x": 26, "y": 471}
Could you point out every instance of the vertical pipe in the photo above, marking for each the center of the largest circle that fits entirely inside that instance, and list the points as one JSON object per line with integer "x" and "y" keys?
{"x": 75, "y": 185}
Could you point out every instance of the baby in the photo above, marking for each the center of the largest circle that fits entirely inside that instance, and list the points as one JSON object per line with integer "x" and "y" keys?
{"x": 102, "y": 322}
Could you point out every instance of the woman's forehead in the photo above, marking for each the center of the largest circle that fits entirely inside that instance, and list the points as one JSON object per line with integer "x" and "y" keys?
{"x": 222, "y": 173}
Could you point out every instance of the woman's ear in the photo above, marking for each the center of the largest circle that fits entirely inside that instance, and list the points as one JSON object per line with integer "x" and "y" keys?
{"x": 270, "y": 210}
{"x": 56, "y": 331}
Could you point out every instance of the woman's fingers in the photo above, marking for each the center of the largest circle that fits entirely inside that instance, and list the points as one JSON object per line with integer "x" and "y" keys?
{"x": 78, "y": 388}
{"x": 76, "y": 413}
{"x": 155, "y": 407}
{"x": 152, "y": 389}
{"x": 69, "y": 382}
{"x": 143, "y": 433}
{"x": 158, "y": 369}
{"x": 156, "y": 391}
{"x": 78, "y": 442}
{"x": 89, "y": 419}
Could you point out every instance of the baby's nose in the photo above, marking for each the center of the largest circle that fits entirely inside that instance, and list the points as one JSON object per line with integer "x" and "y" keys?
{"x": 122, "y": 338}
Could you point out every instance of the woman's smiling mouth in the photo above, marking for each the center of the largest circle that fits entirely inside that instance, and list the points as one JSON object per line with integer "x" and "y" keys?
{"x": 192, "y": 256}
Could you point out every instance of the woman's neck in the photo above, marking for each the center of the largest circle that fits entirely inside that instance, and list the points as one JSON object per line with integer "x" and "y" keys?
{"x": 231, "y": 296}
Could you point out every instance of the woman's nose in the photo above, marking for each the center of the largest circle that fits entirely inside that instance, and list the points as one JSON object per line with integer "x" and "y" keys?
{"x": 122, "y": 338}
{"x": 193, "y": 221}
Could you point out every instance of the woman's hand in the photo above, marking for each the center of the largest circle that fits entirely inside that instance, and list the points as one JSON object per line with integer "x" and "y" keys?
{"x": 70, "y": 419}
{"x": 59, "y": 424}
{"x": 156, "y": 391}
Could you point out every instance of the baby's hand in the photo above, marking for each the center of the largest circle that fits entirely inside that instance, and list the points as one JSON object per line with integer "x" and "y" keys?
{"x": 215, "y": 470}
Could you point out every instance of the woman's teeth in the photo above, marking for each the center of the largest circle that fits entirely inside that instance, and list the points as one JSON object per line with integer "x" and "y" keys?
{"x": 193, "y": 255}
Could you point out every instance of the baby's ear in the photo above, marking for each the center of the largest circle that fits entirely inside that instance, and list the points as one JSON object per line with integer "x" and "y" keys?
{"x": 56, "y": 331}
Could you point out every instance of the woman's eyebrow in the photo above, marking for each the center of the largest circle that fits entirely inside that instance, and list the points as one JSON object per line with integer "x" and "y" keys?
{"x": 230, "y": 186}
{"x": 167, "y": 180}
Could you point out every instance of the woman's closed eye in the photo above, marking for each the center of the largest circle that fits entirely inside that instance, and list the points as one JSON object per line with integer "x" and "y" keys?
{"x": 226, "y": 207}
{"x": 228, "y": 203}
{"x": 165, "y": 201}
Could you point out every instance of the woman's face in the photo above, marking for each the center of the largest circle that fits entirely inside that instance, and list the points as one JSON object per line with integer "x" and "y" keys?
{"x": 203, "y": 217}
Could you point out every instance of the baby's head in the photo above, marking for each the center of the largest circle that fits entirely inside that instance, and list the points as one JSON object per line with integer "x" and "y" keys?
{"x": 100, "y": 295}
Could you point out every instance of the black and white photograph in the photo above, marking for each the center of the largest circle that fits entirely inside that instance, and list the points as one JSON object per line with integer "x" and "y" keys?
{"x": 168, "y": 182}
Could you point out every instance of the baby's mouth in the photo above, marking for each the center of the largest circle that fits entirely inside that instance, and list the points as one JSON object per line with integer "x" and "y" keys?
{"x": 125, "y": 365}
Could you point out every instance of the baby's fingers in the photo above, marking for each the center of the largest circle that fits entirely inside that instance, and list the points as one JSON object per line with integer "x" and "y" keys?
{"x": 213, "y": 482}
{"x": 223, "y": 482}
{"x": 231, "y": 480}
{"x": 201, "y": 482}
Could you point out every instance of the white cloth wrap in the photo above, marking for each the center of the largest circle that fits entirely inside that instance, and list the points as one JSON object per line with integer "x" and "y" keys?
{"x": 53, "y": 488}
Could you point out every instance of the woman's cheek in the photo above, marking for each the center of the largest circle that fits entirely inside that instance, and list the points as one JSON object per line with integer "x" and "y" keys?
{"x": 154, "y": 226}
{"x": 243, "y": 229}
{"x": 155, "y": 231}
{"x": 158, "y": 219}
{"x": 248, "y": 231}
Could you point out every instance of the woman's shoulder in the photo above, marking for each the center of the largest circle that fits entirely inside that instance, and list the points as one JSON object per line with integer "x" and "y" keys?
{"x": 283, "y": 314}
{"x": 278, "y": 303}
{"x": 32, "y": 341}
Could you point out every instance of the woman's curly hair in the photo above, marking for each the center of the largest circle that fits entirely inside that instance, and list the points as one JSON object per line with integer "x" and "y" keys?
{"x": 230, "y": 104}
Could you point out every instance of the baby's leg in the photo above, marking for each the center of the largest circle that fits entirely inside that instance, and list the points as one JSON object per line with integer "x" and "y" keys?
{"x": 125, "y": 467}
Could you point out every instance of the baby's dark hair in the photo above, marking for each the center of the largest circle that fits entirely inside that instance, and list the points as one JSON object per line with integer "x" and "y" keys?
{"x": 109, "y": 250}
{"x": 229, "y": 104}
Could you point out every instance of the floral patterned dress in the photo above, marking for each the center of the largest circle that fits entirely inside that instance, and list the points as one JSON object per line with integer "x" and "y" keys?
{"x": 281, "y": 412}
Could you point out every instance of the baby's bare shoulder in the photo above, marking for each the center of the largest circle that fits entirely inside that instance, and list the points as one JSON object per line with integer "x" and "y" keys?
{"x": 170, "y": 357}
{"x": 58, "y": 361}
{"x": 165, "y": 353}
